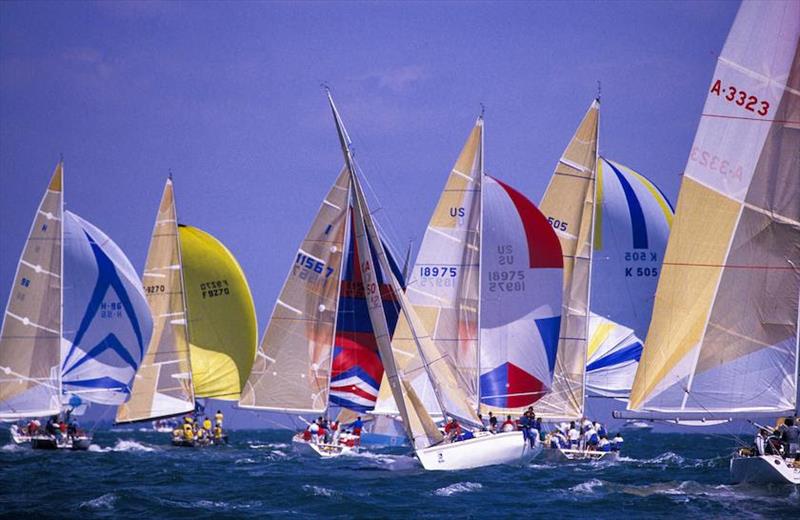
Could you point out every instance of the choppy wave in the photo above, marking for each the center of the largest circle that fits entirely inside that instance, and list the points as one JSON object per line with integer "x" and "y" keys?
{"x": 458, "y": 487}
{"x": 587, "y": 487}
{"x": 319, "y": 491}
{"x": 103, "y": 502}
{"x": 12, "y": 447}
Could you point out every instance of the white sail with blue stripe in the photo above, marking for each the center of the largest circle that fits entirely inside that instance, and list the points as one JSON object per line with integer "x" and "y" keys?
{"x": 107, "y": 322}
{"x": 632, "y": 223}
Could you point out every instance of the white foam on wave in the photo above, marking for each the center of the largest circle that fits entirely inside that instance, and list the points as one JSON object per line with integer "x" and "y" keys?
{"x": 268, "y": 446}
{"x": 244, "y": 461}
{"x": 319, "y": 491}
{"x": 11, "y": 447}
{"x": 458, "y": 487}
{"x": 102, "y": 502}
{"x": 122, "y": 445}
{"x": 587, "y": 487}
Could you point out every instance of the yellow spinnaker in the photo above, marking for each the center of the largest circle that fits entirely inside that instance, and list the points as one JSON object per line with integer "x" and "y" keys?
{"x": 222, "y": 317}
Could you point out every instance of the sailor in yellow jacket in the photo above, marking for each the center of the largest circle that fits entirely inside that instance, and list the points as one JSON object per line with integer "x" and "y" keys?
{"x": 188, "y": 431}
{"x": 218, "y": 417}
{"x": 207, "y": 424}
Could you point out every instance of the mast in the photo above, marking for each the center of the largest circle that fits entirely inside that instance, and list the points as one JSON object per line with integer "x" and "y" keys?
{"x": 591, "y": 254}
{"x": 61, "y": 284}
{"x": 480, "y": 277}
{"x": 183, "y": 288}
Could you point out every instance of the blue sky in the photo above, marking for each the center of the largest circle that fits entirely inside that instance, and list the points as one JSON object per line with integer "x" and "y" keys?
{"x": 228, "y": 96}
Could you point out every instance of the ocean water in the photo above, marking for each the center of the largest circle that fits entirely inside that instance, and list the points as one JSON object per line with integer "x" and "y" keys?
{"x": 137, "y": 474}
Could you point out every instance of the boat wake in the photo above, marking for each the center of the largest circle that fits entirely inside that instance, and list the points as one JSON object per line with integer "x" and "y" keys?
{"x": 11, "y": 447}
{"x": 457, "y": 488}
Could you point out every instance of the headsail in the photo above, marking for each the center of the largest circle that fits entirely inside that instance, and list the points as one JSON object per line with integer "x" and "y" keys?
{"x": 520, "y": 310}
{"x": 724, "y": 334}
{"x": 30, "y": 340}
{"x": 222, "y": 319}
{"x": 568, "y": 204}
{"x": 163, "y": 384}
{"x": 107, "y": 322}
{"x": 292, "y": 370}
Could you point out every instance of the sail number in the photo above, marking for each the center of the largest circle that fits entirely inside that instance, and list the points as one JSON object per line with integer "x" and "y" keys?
{"x": 155, "y": 289}
{"x": 437, "y": 271}
{"x": 309, "y": 268}
{"x": 641, "y": 271}
{"x": 741, "y": 98}
{"x": 111, "y": 310}
{"x": 506, "y": 281}
{"x": 215, "y": 288}
{"x": 558, "y": 225}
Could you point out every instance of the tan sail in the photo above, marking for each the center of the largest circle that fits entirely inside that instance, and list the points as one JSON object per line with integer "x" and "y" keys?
{"x": 569, "y": 200}
{"x": 292, "y": 367}
{"x": 163, "y": 384}
{"x": 447, "y": 306}
{"x": 723, "y": 340}
{"x": 30, "y": 340}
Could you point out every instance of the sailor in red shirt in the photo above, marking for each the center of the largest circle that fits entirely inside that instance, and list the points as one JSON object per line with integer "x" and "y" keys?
{"x": 452, "y": 429}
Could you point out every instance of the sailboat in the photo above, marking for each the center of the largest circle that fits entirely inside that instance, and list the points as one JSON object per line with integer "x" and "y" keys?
{"x": 204, "y": 339}
{"x": 76, "y": 325}
{"x": 723, "y": 340}
{"x": 319, "y": 349}
{"x": 486, "y": 286}
{"x": 613, "y": 225}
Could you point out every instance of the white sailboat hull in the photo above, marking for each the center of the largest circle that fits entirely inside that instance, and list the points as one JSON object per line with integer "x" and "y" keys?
{"x": 18, "y": 436}
{"x": 322, "y": 449}
{"x": 765, "y": 469}
{"x": 47, "y": 442}
{"x": 485, "y": 449}
{"x": 568, "y": 455}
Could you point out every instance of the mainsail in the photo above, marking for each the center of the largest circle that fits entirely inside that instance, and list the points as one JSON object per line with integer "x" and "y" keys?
{"x": 222, "y": 318}
{"x": 724, "y": 334}
{"x": 319, "y": 348}
{"x": 30, "y": 341}
{"x": 163, "y": 384}
{"x": 569, "y": 203}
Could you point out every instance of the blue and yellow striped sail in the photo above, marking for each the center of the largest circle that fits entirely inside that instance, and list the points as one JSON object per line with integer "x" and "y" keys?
{"x": 632, "y": 224}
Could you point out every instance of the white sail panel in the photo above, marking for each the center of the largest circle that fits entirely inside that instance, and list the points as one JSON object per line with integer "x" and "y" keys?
{"x": 612, "y": 358}
{"x": 632, "y": 223}
{"x": 568, "y": 204}
{"x": 163, "y": 383}
{"x": 521, "y": 291}
{"x": 292, "y": 367}
{"x": 30, "y": 339}
{"x": 735, "y": 244}
{"x": 107, "y": 322}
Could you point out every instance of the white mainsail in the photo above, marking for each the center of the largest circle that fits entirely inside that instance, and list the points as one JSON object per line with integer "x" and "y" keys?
{"x": 723, "y": 340}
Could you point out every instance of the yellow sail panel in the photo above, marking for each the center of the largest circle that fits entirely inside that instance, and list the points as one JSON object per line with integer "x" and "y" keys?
{"x": 292, "y": 370}
{"x": 30, "y": 338}
{"x": 163, "y": 383}
{"x": 222, "y": 319}
{"x": 678, "y": 321}
{"x": 568, "y": 204}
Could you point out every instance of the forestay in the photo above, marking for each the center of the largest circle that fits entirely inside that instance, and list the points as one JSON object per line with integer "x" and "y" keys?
{"x": 30, "y": 340}
{"x": 723, "y": 338}
{"x": 163, "y": 383}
